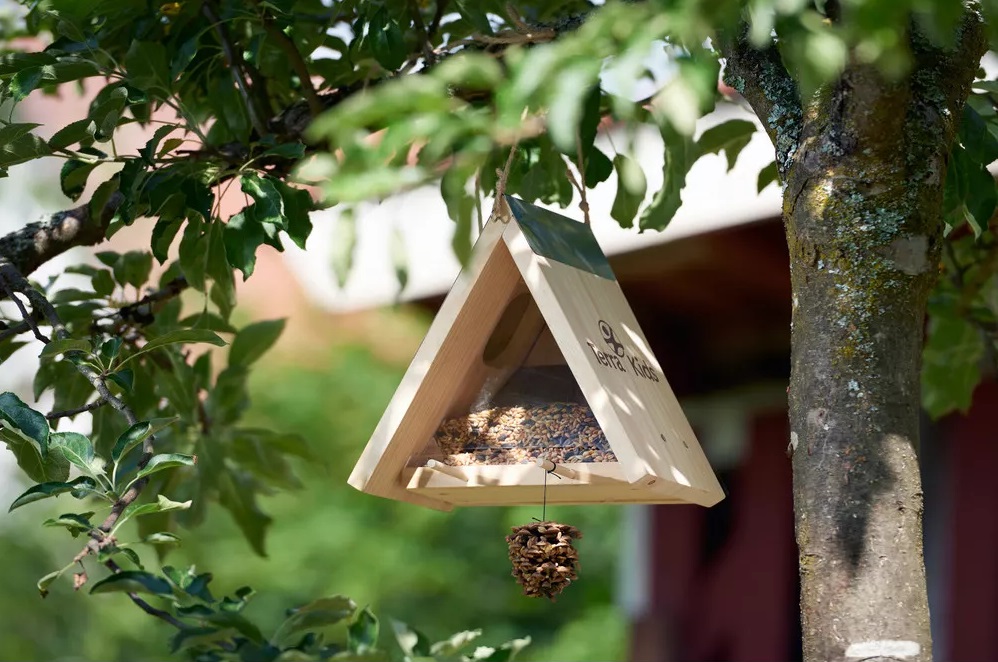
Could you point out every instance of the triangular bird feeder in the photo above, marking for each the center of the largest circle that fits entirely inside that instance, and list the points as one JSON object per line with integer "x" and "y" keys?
{"x": 535, "y": 365}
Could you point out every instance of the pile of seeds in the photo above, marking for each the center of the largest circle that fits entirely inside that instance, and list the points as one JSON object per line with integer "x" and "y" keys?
{"x": 561, "y": 431}
{"x": 544, "y": 561}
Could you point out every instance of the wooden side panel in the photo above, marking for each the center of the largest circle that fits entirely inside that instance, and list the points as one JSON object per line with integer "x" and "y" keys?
{"x": 452, "y": 348}
{"x": 620, "y": 377}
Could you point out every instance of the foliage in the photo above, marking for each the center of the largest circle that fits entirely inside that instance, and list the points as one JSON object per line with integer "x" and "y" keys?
{"x": 363, "y": 99}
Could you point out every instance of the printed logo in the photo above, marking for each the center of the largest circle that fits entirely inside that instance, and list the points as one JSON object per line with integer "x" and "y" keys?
{"x": 611, "y": 339}
{"x": 618, "y": 358}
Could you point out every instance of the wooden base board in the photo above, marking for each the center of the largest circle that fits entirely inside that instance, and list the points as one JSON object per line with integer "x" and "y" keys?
{"x": 523, "y": 484}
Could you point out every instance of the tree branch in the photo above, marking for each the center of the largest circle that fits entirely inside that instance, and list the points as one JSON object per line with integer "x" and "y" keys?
{"x": 36, "y": 243}
{"x": 255, "y": 99}
{"x": 79, "y": 410}
{"x": 760, "y": 77}
{"x": 297, "y": 63}
{"x": 141, "y": 311}
{"x": 12, "y": 281}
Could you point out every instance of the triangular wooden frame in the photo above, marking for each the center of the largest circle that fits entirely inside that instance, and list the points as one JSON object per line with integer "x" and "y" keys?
{"x": 557, "y": 263}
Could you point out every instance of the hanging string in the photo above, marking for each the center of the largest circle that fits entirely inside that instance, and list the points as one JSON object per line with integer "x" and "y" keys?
{"x": 544, "y": 502}
{"x": 502, "y": 176}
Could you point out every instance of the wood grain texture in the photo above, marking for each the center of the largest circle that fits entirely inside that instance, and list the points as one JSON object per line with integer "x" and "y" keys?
{"x": 577, "y": 317}
{"x": 628, "y": 392}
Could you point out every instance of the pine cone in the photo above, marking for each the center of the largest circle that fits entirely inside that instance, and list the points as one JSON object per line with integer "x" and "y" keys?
{"x": 544, "y": 561}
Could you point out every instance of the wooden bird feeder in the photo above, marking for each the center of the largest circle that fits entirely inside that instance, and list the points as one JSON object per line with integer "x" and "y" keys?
{"x": 535, "y": 373}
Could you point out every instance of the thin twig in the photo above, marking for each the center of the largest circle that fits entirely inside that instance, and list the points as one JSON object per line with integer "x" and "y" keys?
{"x": 99, "y": 537}
{"x": 297, "y": 63}
{"x": 233, "y": 56}
{"x": 138, "y": 311}
{"x": 145, "y": 606}
{"x": 99, "y": 402}
{"x": 14, "y": 330}
{"x": 438, "y": 15}
{"x": 27, "y": 318}
{"x": 581, "y": 165}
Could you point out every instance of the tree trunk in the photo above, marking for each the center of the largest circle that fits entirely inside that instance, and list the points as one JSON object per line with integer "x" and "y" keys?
{"x": 862, "y": 210}
{"x": 864, "y": 163}
{"x": 864, "y": 244}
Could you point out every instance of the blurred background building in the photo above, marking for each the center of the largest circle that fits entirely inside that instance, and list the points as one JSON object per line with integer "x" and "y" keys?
{"x": 659, "y": 584}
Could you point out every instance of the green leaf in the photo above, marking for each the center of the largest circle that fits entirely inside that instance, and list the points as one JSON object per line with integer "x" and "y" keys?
{"x": 317, "y": 614}
{"x": 103, "y": 283}
{"x": 237, "y": 495}
{"x": 114, "y": 550}
{"x": 18, "y": 145}
{"x": 244, "y": 234}
{"x": 461, "y": 209}
{"x": 767, "y": 176}
{"x": 163, "y": 234}
{"x": 239, "y": 623}
{"x": 219, "y": 270}
{"x": 161, "y": 538}
{"x": 455, "y": 643}
{"x": 731, "y": 137}
{"x": 80, "y": 131}
{"x": 133, "y": 581}
{"x": 133, "y": 268}
{"x": 175, "y": 337}
{"x": 411, "y": 641}
{"x": 23, "y": 420}
{"x": 106, "y": 110}
{"x": 110, "y": 348}
{"x": 39, "y": 467}
{"x": 124, "y": 379}
{"x": 362, "y": 634}
{"x": 47, "y": 490}
{"x": 950, "y": 365}
{"x": 598, "y": 168}
{"x": 269, "y": 203}
{"x": 24, "y": 83}
{"x": 151, "y": 149}
{"x": 76, "y": 522}
{"x": 344, "y": 245}
{"x": 631, "y": 189}
{"x": 46, "y": 581}
{"x": 191, "y": 637}
{"x": 570, "y": 88}
{"x": 165, "y": 461}
{"x": 253, "y": 341}
{"x": 162, "y": 505}
{"x": 505, "y": 653}
{"x": 680, "y": 153}
{"x": 66, "y": 345}
{"x": 472, "y": 11}
{"x": 138, "y": 433}
{"x": 78, "y": 450}
{"x": 297, "y": 205}
{"x": 386, "y": 41}
{"x": 148, "y": 66}
{"x": 73, "y": 177}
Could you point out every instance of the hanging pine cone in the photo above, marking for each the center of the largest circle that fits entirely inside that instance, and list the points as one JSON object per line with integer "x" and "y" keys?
{"x": 544, "y": 561}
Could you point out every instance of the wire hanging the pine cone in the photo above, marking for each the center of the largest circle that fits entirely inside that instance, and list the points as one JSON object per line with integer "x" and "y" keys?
{"x": 544, "y": 560}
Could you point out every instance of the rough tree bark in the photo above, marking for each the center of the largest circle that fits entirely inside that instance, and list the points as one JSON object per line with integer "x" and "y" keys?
{"x": 863, "y": 213}
{"x": 863, "y": 162}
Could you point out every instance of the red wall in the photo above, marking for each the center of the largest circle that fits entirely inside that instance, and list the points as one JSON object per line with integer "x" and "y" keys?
{"x": 725, "y": 579}
{"x": 725, "y": 582}
{"x": 972, "y": 595}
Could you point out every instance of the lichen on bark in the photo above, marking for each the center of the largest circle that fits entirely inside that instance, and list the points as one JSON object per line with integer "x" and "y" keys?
{"x": 863, "y": 161}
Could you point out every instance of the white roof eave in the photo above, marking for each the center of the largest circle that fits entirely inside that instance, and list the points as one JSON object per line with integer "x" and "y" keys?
{"x": 713, "y": 198}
